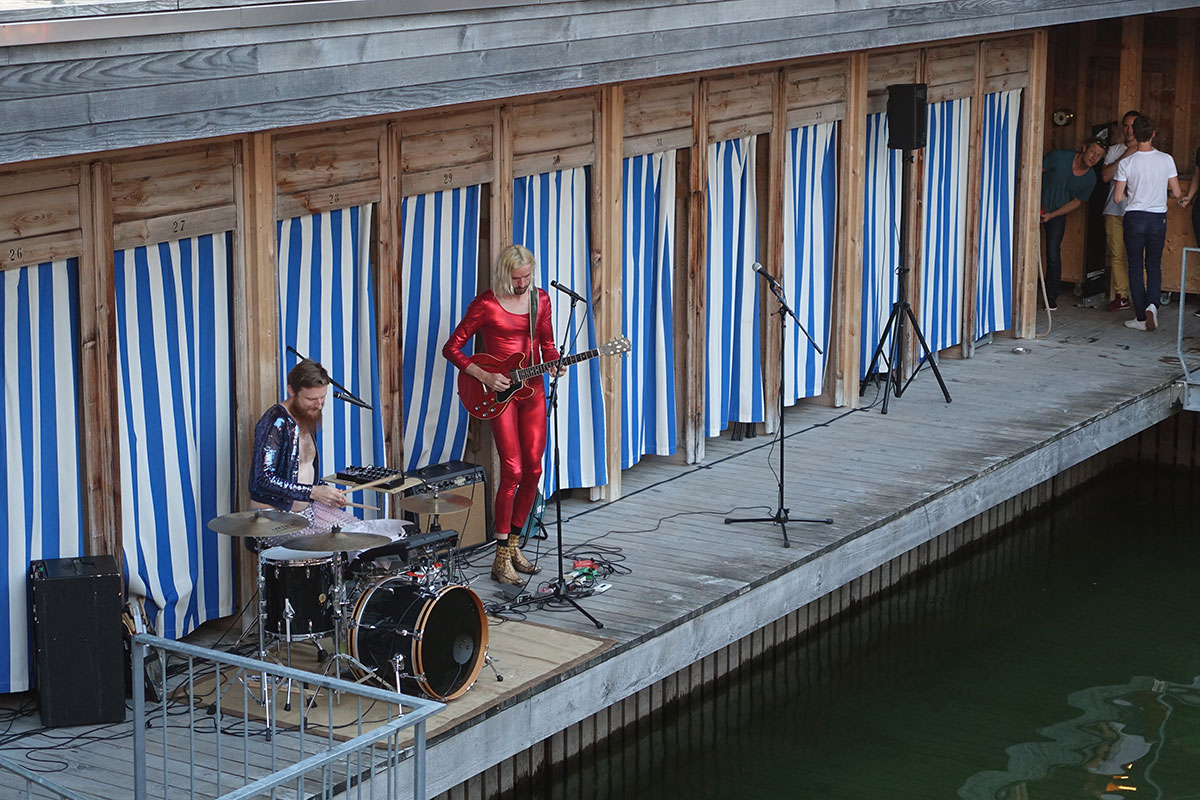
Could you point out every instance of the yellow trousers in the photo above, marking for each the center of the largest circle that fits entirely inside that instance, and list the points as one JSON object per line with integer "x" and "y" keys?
{"x": 1114, "y": 235}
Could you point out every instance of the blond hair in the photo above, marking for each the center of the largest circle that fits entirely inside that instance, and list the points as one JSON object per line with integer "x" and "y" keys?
{"x": 511, "y": 258}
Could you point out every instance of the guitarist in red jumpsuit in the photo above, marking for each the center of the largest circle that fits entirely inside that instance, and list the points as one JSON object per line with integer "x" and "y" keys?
{"x": 502, "y": 317}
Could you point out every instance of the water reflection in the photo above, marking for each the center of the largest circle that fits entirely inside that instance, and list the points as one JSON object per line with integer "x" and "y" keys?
{"x": 1138, "y": 737}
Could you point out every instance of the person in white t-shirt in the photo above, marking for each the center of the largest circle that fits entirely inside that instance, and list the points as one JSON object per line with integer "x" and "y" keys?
{"x": 1145, "y": 178}
{"x": 1114, "y": 232}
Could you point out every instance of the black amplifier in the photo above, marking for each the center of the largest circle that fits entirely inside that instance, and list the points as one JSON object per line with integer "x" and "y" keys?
{"x": 76, "y": 610}
{"x": 462, "y": 479}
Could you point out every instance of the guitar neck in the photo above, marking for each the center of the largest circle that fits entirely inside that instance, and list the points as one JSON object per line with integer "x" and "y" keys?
{"x": 525, "y": 373}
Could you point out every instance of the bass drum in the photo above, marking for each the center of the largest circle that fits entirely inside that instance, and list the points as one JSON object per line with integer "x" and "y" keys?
{"x": 441, "y": 635}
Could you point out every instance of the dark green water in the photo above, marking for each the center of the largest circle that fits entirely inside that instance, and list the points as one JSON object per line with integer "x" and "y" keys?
{"x": 1038, "y": 665}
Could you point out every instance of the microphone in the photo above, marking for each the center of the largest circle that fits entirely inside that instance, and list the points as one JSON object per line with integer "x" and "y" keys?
{"x": 351, "y": 399}
{"x": 770, "y": 278}
{"x": 573, "y": 295}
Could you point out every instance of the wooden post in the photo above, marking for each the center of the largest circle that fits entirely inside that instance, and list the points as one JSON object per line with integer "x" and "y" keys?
{"x": 388, "y": 291}
{"x": 846, "y": 340}
{"x": 1026, "y": 217}
{"x": 914, "y": 235}
{"x": 98, "y": 357}
{"x": 607, "y": 271}
{"x": 1129, "y": 85}
{"x": 1185, "y": 83}
{"x": 771, "y": 363}
{"x": 502, "y": 188}
{"x": 255, "y": 311}
{"x": 974, "y": 179}
{"x": 692, "y": 422}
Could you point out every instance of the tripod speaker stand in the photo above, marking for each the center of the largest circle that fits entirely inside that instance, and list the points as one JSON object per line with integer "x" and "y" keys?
{"x": 901, "y": 313}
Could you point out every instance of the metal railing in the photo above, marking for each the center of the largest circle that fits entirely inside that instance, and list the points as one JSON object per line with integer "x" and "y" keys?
{"x": 1191, "y": 399}
{"x": 49, "y": 788}
{"x": 214, "y": 729}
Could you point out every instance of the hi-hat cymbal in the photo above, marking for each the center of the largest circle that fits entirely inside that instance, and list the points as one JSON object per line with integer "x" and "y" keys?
{"x": 435, "y": 504}
{"x": 391, "y": 528}
{"x": 259, "y": 522}
{"x": 337, "y": 541}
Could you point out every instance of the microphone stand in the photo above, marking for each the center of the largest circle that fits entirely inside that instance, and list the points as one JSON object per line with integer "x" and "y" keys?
{"x": 339, "y": 392}
{"x": 781, "y": 516}
{"x": 560, "y": 583}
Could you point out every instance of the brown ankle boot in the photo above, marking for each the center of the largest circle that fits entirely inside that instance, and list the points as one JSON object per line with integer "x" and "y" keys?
{"x": 519, "y": 561}
{"x": 502, "y": 567}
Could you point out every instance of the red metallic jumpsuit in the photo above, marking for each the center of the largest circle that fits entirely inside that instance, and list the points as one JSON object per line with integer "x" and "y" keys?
{"x": 520, "y": 431}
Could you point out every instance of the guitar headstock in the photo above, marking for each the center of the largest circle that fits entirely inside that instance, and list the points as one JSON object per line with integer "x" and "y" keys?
{"x": 617, "y": 346}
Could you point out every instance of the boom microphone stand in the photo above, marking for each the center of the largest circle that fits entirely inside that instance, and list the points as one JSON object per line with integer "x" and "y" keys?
{"x": 901, "y": 311}
{"x": 781, "y": 516}
{"x": 560, "y": 583}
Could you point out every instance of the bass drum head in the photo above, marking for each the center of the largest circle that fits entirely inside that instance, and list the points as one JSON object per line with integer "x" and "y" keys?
{"x": 442, "y": 635}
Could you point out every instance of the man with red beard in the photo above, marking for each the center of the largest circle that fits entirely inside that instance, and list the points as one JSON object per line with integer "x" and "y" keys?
{"x": 283, "y": 474}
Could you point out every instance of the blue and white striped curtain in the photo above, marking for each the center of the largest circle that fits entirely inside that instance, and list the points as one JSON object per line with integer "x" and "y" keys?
{"x": 648, "y": 242}
{"x": 809, "y": 217}
{"x": 945, "y": 225}
{"x": 550, "y": 217}
{"x": 881, "y": 239}
{"x": 327, "y": 312}
{"x": 439, "y": 266}
{"x": 39, "y": 434}
{"x": 733, "y": 368}
{"x": 175, "y": 406}
{"x": 993, "y": 290}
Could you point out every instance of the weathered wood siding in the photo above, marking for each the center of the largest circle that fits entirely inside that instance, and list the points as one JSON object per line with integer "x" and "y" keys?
{"x": 91, "y": 82}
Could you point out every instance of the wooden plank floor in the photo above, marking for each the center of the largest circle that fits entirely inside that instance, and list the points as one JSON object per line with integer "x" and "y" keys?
{"x": 889, "y": 483}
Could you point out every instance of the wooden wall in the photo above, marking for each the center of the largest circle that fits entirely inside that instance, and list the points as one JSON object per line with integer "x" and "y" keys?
{"x": 91, "y": 77}
{"x": 88, "y": 207}
{"x": 1101, "y": 69}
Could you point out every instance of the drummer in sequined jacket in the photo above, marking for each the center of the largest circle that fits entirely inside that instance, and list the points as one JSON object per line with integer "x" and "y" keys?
{"x": 283, "y": 472}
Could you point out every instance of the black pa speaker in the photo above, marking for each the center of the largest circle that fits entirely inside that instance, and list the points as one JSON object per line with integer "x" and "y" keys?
{"x": 78, "y": 645}
{"x": 907, "y": 122}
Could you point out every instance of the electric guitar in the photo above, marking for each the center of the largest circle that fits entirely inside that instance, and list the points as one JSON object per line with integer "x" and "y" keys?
{"x": 482, "y": 403}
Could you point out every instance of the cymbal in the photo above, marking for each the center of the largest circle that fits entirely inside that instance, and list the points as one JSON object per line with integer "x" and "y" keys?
{"x": 337, "y": 541}
{"x": 391, "y": 528}
{"x": 435, "y": 504}
{"x": 258, "y": 522}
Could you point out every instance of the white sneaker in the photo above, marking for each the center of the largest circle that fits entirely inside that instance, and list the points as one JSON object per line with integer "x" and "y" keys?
{"x": 1151, "y": 317}
{"x": 1136, "y": 324}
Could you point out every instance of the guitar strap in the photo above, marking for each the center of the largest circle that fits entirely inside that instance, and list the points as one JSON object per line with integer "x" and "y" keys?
{"x": 535, "y": 352}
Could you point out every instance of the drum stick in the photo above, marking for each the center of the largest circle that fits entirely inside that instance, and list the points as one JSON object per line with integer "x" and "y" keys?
{"x": 370, "y": 485}
{"x": 362, "y": 505}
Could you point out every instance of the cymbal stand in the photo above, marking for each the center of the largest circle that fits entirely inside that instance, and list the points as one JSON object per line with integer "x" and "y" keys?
{"x": 342, "y": 636}
{"x": 781, "y": 516}
{"x": 560, "y": 583}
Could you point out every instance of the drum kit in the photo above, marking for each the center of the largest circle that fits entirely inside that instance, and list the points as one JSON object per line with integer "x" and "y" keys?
{"x": 383, "y": 595}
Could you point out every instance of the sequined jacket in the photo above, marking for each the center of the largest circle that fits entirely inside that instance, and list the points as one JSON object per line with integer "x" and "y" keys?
{"x": 277, "y": 461}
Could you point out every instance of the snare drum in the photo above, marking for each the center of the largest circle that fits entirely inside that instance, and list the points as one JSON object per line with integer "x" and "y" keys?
{"x": 435, "y": 638}
{"x": 301, "y": 585}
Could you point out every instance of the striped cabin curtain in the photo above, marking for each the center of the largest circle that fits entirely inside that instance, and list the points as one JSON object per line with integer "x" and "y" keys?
{"x": 997, "y": 196}
{"x": 327, "y": 312}
{"x": 439, "y": 266}
{"x": 943, "y": 269}
{"x": 809, "y": 219}
{"x": 551, "y": 218}
{"x": 733, "y": 368}
{"x": 881, "y": 239}
{"x": 39, "y": 434}
{"x": 648, "y": 246}
{"x": 175, "y": 406}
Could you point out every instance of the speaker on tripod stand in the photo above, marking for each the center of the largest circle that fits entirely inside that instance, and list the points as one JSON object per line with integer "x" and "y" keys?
{"x": 907, "y": 128}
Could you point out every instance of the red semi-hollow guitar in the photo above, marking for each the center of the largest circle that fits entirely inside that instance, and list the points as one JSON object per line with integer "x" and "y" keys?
{"x": 482, "y": 403}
